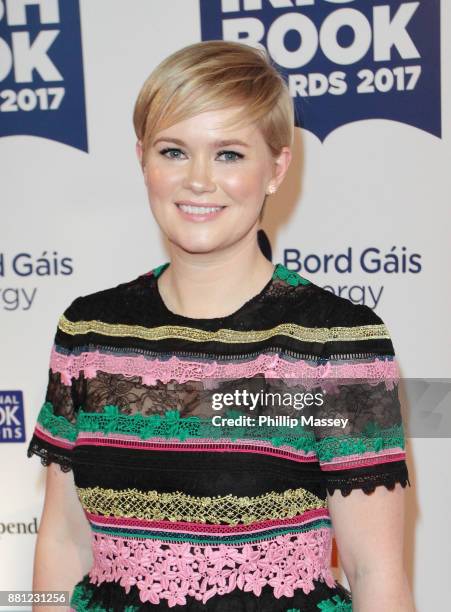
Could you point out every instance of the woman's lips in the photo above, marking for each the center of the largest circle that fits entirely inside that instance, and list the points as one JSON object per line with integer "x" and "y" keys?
{"x": 201, "y": 216}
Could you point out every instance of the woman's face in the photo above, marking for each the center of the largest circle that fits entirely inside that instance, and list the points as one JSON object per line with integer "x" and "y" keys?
{"x": 197, "y": 163}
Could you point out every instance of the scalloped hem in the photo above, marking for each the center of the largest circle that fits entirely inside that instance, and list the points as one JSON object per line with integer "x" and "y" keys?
{"x": 48, "y": 457}
{"x": 389, "y": 482}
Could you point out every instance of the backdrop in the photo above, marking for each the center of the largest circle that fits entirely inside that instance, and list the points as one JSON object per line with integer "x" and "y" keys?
{"x": 364, "y": 210}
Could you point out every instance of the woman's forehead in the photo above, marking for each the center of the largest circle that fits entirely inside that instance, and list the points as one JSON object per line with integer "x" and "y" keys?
{"x": 209, "y": 129}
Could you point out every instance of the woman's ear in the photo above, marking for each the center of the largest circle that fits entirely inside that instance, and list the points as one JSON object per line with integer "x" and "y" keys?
{"x": 139, "y": 154}
{"x": 282, "y": 163}
{"x": 139, "y": 151}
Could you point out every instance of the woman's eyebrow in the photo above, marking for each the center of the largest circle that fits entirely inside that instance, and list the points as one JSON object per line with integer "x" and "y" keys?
{"x": 217, "y": 143}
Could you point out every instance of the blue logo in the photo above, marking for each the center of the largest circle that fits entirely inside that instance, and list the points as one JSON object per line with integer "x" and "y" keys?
{"x": 343, "y": 60}
{"x": 41, "y": 71}
{"x": 12, "y": 422}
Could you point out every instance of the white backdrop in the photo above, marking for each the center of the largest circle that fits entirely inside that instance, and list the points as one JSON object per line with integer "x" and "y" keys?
{"x": 372, "y": 183}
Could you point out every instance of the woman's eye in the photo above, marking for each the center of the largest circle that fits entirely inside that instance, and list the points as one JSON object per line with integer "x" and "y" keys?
{"x": 234, "y": 153}
{"x": 164, "y": 151}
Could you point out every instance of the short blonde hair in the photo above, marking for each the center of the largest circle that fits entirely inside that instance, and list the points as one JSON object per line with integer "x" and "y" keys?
{"x": 215, "y": 75}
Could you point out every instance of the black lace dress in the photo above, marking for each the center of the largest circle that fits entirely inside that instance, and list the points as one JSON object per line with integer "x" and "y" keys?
{"x": 203, "y": 493}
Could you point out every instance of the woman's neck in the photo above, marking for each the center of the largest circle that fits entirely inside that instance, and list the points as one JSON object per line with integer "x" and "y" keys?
{"x": 213, "y": 285}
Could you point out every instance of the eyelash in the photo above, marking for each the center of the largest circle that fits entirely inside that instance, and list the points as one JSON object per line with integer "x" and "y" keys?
{"x": 239, "y": 155}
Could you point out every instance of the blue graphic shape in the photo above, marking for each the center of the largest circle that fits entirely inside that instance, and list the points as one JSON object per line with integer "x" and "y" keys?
{"x": 322, "y": 114}
{"x": 12, "y": 419}
{"x": 66, "y": 124}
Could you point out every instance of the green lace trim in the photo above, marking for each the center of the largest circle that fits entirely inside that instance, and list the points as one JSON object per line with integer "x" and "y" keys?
{"x": 56, "y": 425}
{"x": 172, "y": 425}
{"x": 372, "y": 438}
{"x": 159, "y": 269}
{"x": 335, "y": 604}
{"x": 291, "y": 277}
{"x": 80, "y": 601}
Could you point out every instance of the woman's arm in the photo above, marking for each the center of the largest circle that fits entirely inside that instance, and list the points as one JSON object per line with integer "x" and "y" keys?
{"x": 63, "y": 547}
{"x": 369, "y": 530}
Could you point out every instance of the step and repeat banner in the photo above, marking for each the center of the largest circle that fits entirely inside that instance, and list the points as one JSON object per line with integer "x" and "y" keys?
{"x": 364, "y": 210}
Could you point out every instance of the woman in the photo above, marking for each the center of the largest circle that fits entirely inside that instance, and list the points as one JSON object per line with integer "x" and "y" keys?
{"x": 165, "y": 500}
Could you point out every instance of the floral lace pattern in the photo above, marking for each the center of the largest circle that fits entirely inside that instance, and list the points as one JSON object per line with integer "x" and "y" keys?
{"x": 172, "y": 572}
{"x": 292, "y": 278}
{"x": 172, "y": 425}
{"x": 373, "y": 438}
{"x": 335, "y": 604}
{"x": 272, "y": 366}
{"x": 57, "y": 425}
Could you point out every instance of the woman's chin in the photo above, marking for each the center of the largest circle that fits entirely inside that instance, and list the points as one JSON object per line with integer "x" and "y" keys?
{"x": 195, "y": 241}
{"x": 198, "y": 247}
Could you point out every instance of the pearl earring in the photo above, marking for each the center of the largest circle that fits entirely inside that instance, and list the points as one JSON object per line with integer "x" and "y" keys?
{"x": 271, "y": 189}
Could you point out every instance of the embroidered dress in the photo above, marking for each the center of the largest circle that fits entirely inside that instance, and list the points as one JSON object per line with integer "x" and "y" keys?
{"x": 196, "y": 505}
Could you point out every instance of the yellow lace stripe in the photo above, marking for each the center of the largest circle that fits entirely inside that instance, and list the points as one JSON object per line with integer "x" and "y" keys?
{"x": 230, "y": 336}
{"x": 229, "y": 509}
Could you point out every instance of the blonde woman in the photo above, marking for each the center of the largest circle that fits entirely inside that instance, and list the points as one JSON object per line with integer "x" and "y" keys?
{"x": 158, "y": 498}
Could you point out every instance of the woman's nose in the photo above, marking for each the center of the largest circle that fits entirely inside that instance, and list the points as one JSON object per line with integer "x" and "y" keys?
{"x": 200, "y": 175}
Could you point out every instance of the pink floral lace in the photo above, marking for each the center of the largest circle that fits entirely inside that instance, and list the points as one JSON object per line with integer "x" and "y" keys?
{"x": 165, "y": 571}
{"x": 272, "y": 366}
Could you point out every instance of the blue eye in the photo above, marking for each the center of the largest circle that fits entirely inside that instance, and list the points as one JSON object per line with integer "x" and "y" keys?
{"x": 238, "y": 155}
{"x": 169, "y": 150}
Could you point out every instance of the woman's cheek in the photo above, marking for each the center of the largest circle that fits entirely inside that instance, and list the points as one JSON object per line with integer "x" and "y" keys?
{"x": 243, "y": 183}
{"x": 159, "y": 180}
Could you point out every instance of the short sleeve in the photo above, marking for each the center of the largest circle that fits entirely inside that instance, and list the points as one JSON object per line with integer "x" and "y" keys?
{"x": 359, "y": 431}
{"x": 55, "y": 430}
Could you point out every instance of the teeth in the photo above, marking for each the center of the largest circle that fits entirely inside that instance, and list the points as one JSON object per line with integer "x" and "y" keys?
{"x": 198, "y": 210}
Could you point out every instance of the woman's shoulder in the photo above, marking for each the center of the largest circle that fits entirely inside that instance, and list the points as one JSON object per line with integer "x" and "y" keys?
{"x": 340, "y": 326}
{"x": 118, "y": 303}
{"x": 322, "y": 308}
